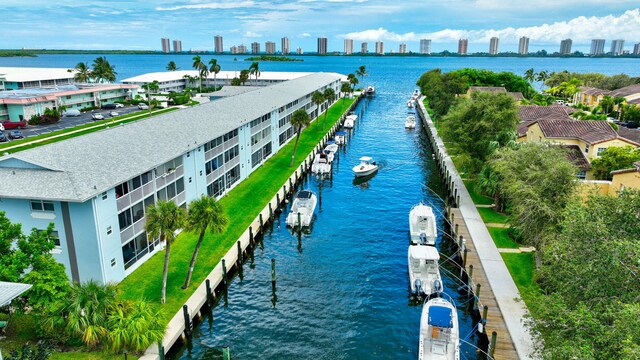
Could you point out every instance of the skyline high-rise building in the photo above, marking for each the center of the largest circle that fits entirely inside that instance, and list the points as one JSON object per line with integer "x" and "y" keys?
{"x": 322, "y": 45}
{"x": 166, "y": 45}
{"x": 364, "y": 48}
{"x": 270, "y": 47}
{"x": 284, "y": 46}
{"x": 217, "y": 44}
{"x": 617, "y": 47}
{"x": 177, "y": 46}
{"x": 255, "y": 47}
{"x": 523, "y": 46}
{"x": 299, "y": 51}
{"x": 233, "y": 49}
{"x": 597, "y": 47}
{"x": 425, "y": 46}
{"x": 348, "y": 46}
{"x": 402, "y": 49}
{"x": 462, "y": 46}
{"x": 636, "y": 49}
{"x": 379, "y": 47}
{"x": 493, "y": 45}
{"x": 242, "y": 49}
{"x": 565, "y": 46}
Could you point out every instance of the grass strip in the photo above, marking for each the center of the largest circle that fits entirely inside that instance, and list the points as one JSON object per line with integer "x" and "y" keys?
{"x": 522, "y": 267}
{"x": 501, "y": 238}
{"x": 477, "y": 198}
{"x": 489, "y": 215}
{"x": 242, "y": 204}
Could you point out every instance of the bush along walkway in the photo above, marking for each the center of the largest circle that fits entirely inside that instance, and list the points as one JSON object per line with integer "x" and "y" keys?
{"x": 248, "y": 207}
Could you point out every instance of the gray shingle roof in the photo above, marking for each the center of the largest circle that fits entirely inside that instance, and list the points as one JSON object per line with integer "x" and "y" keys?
{"x": 85, "y": 166}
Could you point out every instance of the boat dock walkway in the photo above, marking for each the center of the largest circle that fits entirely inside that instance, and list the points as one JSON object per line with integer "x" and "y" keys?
{"x": 505, "y": 349}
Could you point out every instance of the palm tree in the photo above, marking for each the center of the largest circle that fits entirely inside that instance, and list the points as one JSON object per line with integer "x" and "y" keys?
{"x": 189, "y": 79}
{"x": 214, "y": 67}
{"x": 254, "y": 69}
{"x": 530, "y": 75}
{"x": 353, "y": 80}
{"x": 163, "y": 219}
{"x": 299, "y": 119}
{"x": 198, "y": 65}
{"x": 204, "y": 213}
{"x": 318, "y": 99}
{"x": 83, "y": 72}
{"x": 134, "y": 326}
{"x": 103, "y": 71}
{"x": 542, "y": 76}
{"x": 204, "y": 73}
{"x": 345, "y": 88}
{"x": 330, "y": 96}
{"x": 362, "y": 72}
{"x": 244, "y": 76}
{"x": 171, "y": 66}
{"x": 618, "y": 101}
{"x": 149, "y": 88}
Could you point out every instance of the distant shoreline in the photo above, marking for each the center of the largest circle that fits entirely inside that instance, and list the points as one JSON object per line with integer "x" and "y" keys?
{"x": 36, "y": 52}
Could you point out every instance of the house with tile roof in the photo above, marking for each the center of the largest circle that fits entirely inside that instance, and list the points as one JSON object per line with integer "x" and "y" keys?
{"x": 622, "y": 180}
{"x": 592, "y": 96}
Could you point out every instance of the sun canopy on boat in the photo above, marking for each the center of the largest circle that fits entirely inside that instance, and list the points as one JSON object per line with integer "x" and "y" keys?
{"x": 304, "y": 194}
{"x": 341, "y": 133}
{"x": 423, "y": 211}
{"x": 330, "y": 142}
{"x": 366, "y": 158}
{"x": 440, "y": 316}
{"x": 424, "y": 252}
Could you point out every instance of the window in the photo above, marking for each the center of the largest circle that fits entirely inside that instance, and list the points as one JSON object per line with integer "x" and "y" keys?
{"x": 266, "y": 150}
{"x": 231, "y": 153}
{"x": 137, "y": 211}
{"x": 125, "y": 219}
{"x": 586, "y": 148}
{"x": 113, "y": 262}
{"x": 109, "y": 231}
{"x": 600, "y": 150}
{"x": 581, "y": 175}
{"x": 216, "y": 188}
{"x": 214, "y": 164}
{"x": 169, "y": 166}
{"x": 233, "y": 175}
{"x": 180, "y": 185}
{"x": 122, "y": 189}
{"x": 53, "y": 237}
{"x": 256, "y": 158}
{"x": 41, "y": 205}
{"x": 104, "y": 195}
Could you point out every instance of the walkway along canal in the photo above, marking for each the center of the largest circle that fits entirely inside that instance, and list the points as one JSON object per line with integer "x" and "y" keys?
{"x": 342, "y": 287}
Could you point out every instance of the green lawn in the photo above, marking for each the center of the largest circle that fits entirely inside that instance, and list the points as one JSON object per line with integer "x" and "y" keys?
{"x": 89, "y": 128}
{"x": 242, "y": 205}
{"x": 522, "y": 269}
{"x": 477, "y": 198}
{"x": 489, "y": 215}
{"x": 501, "y": 238}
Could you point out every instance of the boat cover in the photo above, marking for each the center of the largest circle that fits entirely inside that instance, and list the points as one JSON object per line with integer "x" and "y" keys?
{"x": 304, "y": 194}
{"x": 330, "y": 142}
{"x": 341, "y": 133}
{"x": 424, "y": 252}
{"x": 440, "y": 316}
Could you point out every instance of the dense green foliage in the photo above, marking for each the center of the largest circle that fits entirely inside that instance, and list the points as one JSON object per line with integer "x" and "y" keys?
{"x": 441, "y": 89}
{"x": 596, "y": 80}
{"x": 509, "y": 80}
{"x": 299, "y": 119}
{"x": 271, "y": 58}
{"x": 614, "y": 158}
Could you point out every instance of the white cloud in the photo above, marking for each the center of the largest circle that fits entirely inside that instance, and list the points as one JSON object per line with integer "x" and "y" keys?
{"x": 305, "y": 35}
{"x": 580, "y": 30}
{"x": 211, "y": 5}
{"x": 251, "y": 34}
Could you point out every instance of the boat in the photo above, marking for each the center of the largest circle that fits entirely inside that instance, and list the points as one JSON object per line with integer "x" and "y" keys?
{"x": 410, "y": 122}
{"x": 410, "y": 103}
{"x": 321, "y": 164}
{"x": 422, "y": 225}
{"x": 341, "y": 137}
{"x": 331, "y": 149}
{"x": 366, "y": 167}
{"x": 352, "y": 116}
{"x": 424, "y": 272}
{"x": 302, "y": 209}
{"x": 370, "y": 90}
{"x": 439, "y": 331}
{"x": 349, "y": 123}
{"x": 416, "y": 93}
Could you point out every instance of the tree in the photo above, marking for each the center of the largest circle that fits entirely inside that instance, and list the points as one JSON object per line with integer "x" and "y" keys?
{"x": 83, "y": 72}
{"x": 632, "y": 114}
{"x": 537, "y": 180}
{"x": 134, "y": 326}
{"x": 542, "y": 76}
{"x": 353, "y": 80}
{"x": 614, "y": 158}
{"x": 171, "y": 66}
{"x": 103, "y": 71}
{"x": 149, "y": 88}
{"x": 606, "y": 104}
{"x": 198, "y": 65}
{"x": 442, "y": 89}
{"x": 317, "y": 98}
{"x": 362, "y": 72}
{"x": 299, "y": 119}
{"x": 189, "y": 79}
{"x": 254, "y": 69}
{"x": 530, "y": 75}
{"x": 566, "y": 89}
{"x": 214, "y": 67}
{"x": 163, "y": 219}
{"x": 618, "y": 101}
{"x": 330, "y": 96}
{"x": 345, "y": 88}
{"x": 204, "y": 214}
{"x": 244, "y": 76}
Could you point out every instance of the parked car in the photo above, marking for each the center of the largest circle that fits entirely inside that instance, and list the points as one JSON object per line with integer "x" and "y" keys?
{"x": 97, "y": 116}
{"x": 7, "y": 124}
{"x": 109, "y": 106}
{"x": 118, "y": 105}
{"x": 72, "y": 112}
{"x": 113, "y": 113}
{"x": 3, "y": 137}
{"x": 143, "y": 106}
{"x": 15, "y": 134}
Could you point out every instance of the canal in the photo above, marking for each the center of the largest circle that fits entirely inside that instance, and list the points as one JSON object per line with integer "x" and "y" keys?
{"x": 342, "y": 287}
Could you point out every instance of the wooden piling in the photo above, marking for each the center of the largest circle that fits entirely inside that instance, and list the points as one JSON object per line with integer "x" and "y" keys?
{"x": 239, "y": 253}
{"x": 476, "y": 297}
{"x": 224, "y": 274}
{"x": 209, "y": 293}
{"x": 261, "y": 221}
{"x": 492, "y": 346}
{"x": 187, "y": 321}
{"x": 273, "y": 274}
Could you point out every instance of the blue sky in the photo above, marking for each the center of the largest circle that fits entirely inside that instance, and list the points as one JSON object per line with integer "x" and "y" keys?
{"x": 133, "y": 25}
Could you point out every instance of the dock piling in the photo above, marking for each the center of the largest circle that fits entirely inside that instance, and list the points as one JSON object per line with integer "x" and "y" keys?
{"x": 270, "y": 211}
{"x": 261, "y": 221}
{"x": 476, "y": 298}
{"x": 209, "y": 294}
{"x": 273, "y": 275}
{"x": 187, "y": 321}
{"x": 224, "y": 274}
{"x": 161, "y": 350}
{"x": 239, "y": 253}
{"x": 251, "y": 236}
{"x": 485, "y": 311}
{"x": 492, "y": 346}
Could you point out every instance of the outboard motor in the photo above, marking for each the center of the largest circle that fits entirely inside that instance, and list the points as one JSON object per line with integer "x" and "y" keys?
{"x": 423, "y": 239}
{"x": 437, "y": 286}
{"x": 418, "y": 285}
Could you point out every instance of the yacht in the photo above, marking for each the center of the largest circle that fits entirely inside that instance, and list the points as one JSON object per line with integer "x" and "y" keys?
{"x": 422, "y": 225}
{"x": 302, "y": 209}
{"x": 410, "y": 122}
{"x": 439, "y": 331}
{"x": 366, "y": 167}
{"x": 321, "y": 163}
{"x": 424, "y": 272}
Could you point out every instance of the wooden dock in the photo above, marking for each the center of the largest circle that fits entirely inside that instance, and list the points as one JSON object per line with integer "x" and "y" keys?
{"x": 505, "y": 349}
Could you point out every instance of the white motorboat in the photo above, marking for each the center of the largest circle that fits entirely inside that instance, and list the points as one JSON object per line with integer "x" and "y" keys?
{"x": 422, "y": 225}
{"x": 302, "y": 209}
{"x": 424, "y": 272}
{"x": 349, "y": 123}
{"x": 341, "y": 137}
{"x": 352, "y": 116}
{"x": 370, "y": 90}
{"x": 410, "y": 122}
{"x": 321, "y": 164}
{"x": 331, "y": 149}
{"x": 410, "y": 103}
{"x": 366, "y": 167}
{"x": 439, "y": 331}
{"x": 416, "y": 93}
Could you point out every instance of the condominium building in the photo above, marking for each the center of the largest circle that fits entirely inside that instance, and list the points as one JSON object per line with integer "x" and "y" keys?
{"x": 233, "y": 49}
{"x": 217, "y": 44}
{"x": 322, "y": 45}
{"x": 425, "y": 46}
{"x": 380, "y": 47}
{"x": 462, "y": 46}
{"x": 284, "y": 46}
{"x": 242, "y": 49}
{"x": 617, "y": 47}
{"x": 270, "y": 47}
{"x": 565, "y": 46}
{"x": 597, "y": 47}
{"x": 177, "y": 46}
{"x": 493, "y": 45}
{"x": 97, "y": 199}
{"x": 299, "y": 51}
{"x": 636, "y": 49}
{"x": 14, "y": 78}
{"x": 523, "y": 46}
{"x": 348, "y": 46}
{"x": 255, "y": 47}
{"x": 166, "y": 45}
{"x": 364, "y": 48}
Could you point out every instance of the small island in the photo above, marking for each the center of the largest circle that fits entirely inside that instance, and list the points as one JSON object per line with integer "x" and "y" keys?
{"x": 271, "y": 58}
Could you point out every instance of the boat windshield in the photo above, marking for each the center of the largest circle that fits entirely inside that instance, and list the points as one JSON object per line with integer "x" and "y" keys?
{"x": 304, "y": 195}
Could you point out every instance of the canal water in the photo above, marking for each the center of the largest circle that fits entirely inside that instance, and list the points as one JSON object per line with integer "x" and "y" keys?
{"x": 342, "y": 287}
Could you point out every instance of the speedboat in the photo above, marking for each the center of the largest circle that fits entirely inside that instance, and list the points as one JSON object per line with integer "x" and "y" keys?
{"x": 349, "y": 123}
{"x": 410, "y": 122}
{"x": 370, "y": 90}
{"x": 341, "y": 137}
{"x": 424, "y": 272}
{"x": 410, "y": 103}
{"x": 352, "y": 116}
{"x": 302, "y": 209}
{"x": 439, "y": 331}
{"x": 416, "y": 93}
{"x": 331, "y": 149}
{"x": 367, "y": 166}
{"x": 422, "y": 225}
{"x": 321, "y": 164}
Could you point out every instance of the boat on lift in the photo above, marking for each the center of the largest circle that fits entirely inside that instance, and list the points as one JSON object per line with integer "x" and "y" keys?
{"x": 366, "y": 167}
{"x": 410, "y": 122}
{"x": 410, "y": 103}
{"x": 349, "y": 123}
{"x": 422, "y": 225}
{"x": 302, "y": 209}
{"x": 341, "y": 137}
{"x": 439, "y": 331}
{"x": 424, "y": 272}
{"x": 321, "y": 164}
{"x": 331, "y": 149}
